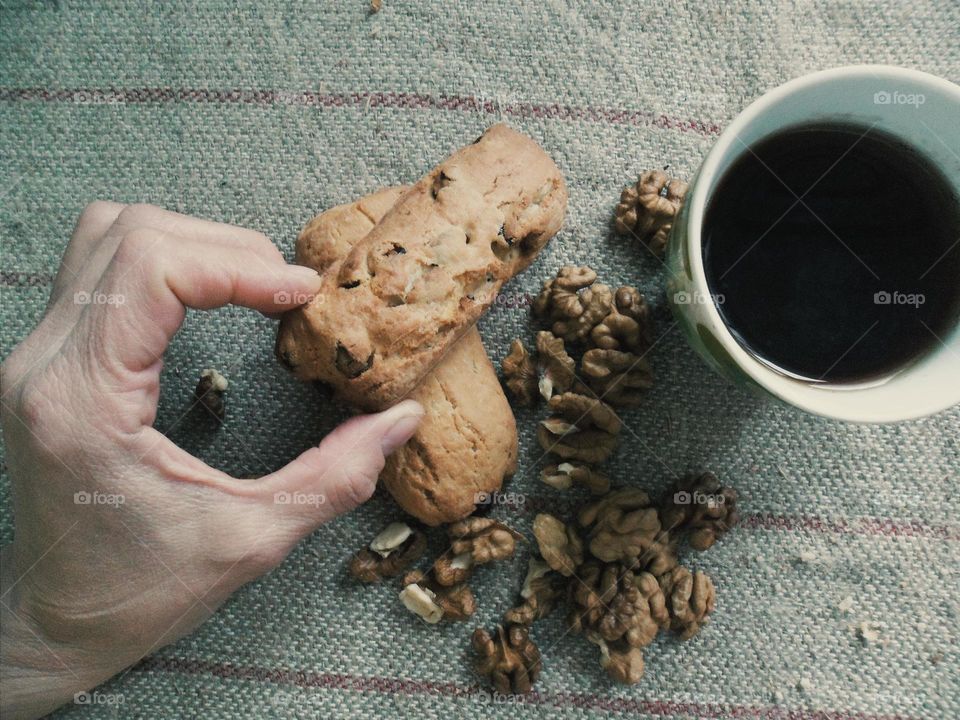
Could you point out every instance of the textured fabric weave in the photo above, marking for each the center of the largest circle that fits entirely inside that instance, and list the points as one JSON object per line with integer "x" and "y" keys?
{"x": 264, "y": 114}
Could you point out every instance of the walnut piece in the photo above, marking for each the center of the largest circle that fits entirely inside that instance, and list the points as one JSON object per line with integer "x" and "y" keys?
{"x": 473, "y": 541}
{"x": 391, "y": 552}
{"x": 556, "y": 367}
{"x": 701, "y": 505}
{"x": 572, "y": 303}
{"x": 564, "y": 475}
{"x": 622, "y": 662}
{"x": 617, "y": 605}
{"x": 434, "y": 602}
{"x": 511, "y": 660}
{"x": 618, "y": 378}
{"x": 691, "y": 597}
{"x": 560, "y": 544}
{"x": 209, "y": 392}
{"x": 520, "y": 372}
{"x": 582, "y": 428}
{"x": 542, "y": 590}
{"x": 628, "y": 326}
{"x": 623, "y": 525}
{"x": 648, "y": 208}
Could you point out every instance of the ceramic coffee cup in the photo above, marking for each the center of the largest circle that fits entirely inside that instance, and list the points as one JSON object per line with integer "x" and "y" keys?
{"x": 921, "y": 110}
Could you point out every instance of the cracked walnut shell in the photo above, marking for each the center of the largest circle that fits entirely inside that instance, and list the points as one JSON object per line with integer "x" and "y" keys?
{"x": 511, "y": 659}
{"x": 648, "y": 208}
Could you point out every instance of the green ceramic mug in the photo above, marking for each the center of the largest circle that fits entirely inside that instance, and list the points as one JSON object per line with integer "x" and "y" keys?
{"x": 865, "y": 94}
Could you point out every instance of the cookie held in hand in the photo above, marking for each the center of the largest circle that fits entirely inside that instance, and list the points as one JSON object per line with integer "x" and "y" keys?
{"x": 410, "y": 289}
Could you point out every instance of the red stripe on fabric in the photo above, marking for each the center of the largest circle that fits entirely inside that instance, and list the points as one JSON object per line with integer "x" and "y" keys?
{"x": 310, "y": 679}
{"x": 402, "y": 100}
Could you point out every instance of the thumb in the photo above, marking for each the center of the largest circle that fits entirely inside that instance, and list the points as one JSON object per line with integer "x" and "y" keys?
{"x": 341, "y": 473}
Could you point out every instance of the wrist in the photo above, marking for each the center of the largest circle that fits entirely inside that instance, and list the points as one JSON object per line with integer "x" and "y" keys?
{"x": 37, "y": 672}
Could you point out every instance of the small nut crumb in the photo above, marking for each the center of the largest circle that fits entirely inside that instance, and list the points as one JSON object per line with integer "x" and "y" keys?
{"x": 868, "y": 632}
{"x": 807, "y": 556}
{"x": 209, "y": 392}
{"x": 805, "y": 685}
{"x": 845, "y": 605}
{"x": 375, "y": 6}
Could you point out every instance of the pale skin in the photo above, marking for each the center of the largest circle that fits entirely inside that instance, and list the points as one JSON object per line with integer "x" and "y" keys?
{"x": 90, "y": 588}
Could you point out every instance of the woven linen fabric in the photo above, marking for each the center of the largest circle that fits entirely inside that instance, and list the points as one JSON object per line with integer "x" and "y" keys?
{"x": 263, "y": 114}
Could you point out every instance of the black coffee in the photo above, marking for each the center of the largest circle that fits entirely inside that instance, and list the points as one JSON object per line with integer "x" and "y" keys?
{"x": 856, "y": 278}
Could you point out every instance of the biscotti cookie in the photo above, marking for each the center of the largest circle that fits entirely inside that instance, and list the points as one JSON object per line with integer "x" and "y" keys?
{"x": 467, "y": 440}
{"x": 408, "y": 290}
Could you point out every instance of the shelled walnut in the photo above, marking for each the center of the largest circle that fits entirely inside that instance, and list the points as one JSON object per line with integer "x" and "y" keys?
{"x": 573, "y": 303}
{"x": 691, "y": 597}
{"x": 581, "y": 428}
{"x": 210, "y": 392}
{"x": 393, "y": 550}
{"x": 564, "y": 475}
{"x": 618, "y": 378}
{"x": 613, "y": 602}
{"x": 559, "y": 544}
{"x": 474, "y": 541}
{"x": 424, "y": 596}
{"x": 622, "y": 662}
{"x": 701, "y": 505}
{"x": 520, "y": 372}
{"x": 648, "y": 208}
{"x": 628, "y": 326}
{"x": 511, "y": 659}
{"x": 556, "y": 367}
{"x": 623, "y": 525}
{"x": 542, "y": 589}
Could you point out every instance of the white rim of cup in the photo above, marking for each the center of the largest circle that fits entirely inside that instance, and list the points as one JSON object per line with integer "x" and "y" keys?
{"x": 796, "y": 392}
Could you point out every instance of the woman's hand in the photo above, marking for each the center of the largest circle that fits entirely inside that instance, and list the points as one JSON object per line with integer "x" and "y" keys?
{"x": 124, "y": 542}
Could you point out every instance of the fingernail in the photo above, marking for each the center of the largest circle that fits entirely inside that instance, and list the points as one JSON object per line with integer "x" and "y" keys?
{"x": 409, "y": 414}
{"x": 303, "y": 271}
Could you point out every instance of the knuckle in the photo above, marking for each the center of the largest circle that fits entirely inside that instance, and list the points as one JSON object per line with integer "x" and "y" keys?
{"x": 136, "y": 244}
{"x": 98, "y": 212}
{"x": 136, "y": 214}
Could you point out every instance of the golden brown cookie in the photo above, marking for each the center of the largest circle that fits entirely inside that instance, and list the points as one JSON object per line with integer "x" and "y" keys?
{"x": 467, "y": 440}
{"x": 406, "y": 292}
